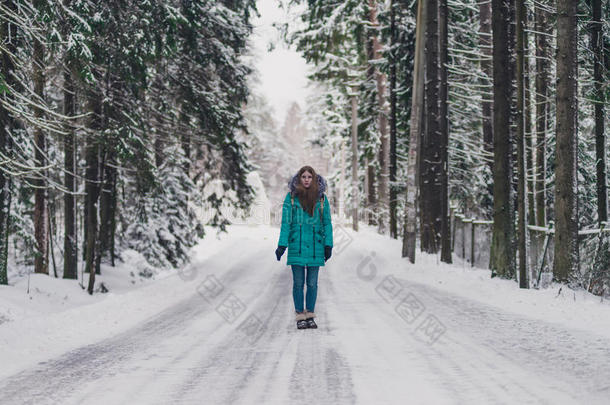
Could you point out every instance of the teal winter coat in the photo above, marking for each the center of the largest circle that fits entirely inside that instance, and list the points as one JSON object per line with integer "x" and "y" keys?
{"x": 305, "y": 235}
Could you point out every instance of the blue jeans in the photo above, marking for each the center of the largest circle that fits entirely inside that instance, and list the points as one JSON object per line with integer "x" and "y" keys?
{"x": 298, "y": 279}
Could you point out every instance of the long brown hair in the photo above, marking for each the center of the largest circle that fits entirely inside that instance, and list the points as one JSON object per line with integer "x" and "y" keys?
{"x": 307, "y": 196}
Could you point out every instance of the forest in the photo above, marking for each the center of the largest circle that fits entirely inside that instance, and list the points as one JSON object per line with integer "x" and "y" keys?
{"x": 450, "y": 118}
{"x": 458, "y": 114}
{"x": 113, "y": 115}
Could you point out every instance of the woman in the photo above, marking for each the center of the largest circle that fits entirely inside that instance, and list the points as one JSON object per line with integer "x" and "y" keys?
{"x": 308, "y": 234}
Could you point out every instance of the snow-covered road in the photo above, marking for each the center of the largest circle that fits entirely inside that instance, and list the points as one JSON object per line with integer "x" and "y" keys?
{"x": 383, "y": 338}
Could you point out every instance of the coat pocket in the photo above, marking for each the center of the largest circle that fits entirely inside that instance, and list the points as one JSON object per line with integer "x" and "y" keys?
{"x": 293, "y": 240}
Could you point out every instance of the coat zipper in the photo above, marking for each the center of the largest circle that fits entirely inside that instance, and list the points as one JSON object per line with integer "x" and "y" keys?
{"x": 300, "y": 237}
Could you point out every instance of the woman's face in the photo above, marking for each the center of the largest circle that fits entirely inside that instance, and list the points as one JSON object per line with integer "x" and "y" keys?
{"x": 306, "y": 179}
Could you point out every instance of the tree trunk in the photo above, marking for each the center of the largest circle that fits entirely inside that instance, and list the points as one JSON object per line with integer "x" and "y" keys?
{"x": 393, "y": 101}
{"x": 502, "y": 260}
{"x": 520, "y": 117}
{"x": 113, "y": 215}
{"x": 565, "y": 265}
{"x": 8, "y": 33}
{"x": 486, "y": 66}
{"x": 417, "y": 101}
{"x": 542, "y": 110}
{"x": 92, "y": 177}
{"x": 70, "y": 244}
{"x": 597, "y": 41}
{"x": 371, "y": 200}
{"x": 384, "y": 151}
{"x": 444, "y": 132}
{"x": 41, "y": 260}
{"x": 158, "y": 150}
{"x": 342, "y": 170}
{"x": 107, "y": 197}
{"x": 355, "y": 194}
{"x": 186, "y": 143}
{"x": 365, "y": 185}
{"x": 371, "y": 211}
{"x": 528, "y": 132}
{"x": 431, "y": 162}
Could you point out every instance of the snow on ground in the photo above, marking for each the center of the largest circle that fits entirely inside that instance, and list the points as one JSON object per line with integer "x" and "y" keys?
{"x": 57, "y": 315}
{"x": 576, "y": 309}
{"x": 40, "y": 294}
{"x": 222, "y": 331}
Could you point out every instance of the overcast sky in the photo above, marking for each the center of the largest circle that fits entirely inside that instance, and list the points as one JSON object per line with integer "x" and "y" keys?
{"x": 282, "y": 71}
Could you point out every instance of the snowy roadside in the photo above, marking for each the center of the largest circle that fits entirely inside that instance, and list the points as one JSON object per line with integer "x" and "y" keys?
{"x": 577, "y": 310}
{"x": 58, "y": 315}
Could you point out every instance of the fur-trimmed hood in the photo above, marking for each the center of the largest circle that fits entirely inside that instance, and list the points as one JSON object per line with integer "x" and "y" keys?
{"x": 292, "y": 185}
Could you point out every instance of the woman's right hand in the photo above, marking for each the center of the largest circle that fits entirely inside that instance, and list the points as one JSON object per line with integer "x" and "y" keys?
{"x": 279, "y": 252}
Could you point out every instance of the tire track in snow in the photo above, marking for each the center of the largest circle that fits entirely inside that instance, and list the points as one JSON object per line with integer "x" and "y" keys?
{"x": 320, "y": 373}
{"x": 222, "y": 365}
{"x": 370, "y": 344}
{"x": 251, "y": 373}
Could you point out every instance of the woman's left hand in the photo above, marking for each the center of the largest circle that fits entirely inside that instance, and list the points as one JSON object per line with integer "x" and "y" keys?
{"x": 328, "y": 251}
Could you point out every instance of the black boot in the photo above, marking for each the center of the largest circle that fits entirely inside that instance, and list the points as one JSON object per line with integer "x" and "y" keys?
{"x": 301, "y": 321}
{"x": 311, "y": 324}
